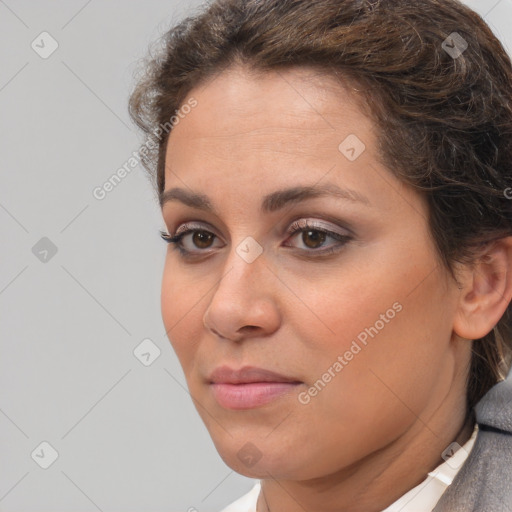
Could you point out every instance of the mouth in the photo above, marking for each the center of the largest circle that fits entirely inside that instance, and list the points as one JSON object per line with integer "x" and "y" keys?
{"x": 249, "y": 387}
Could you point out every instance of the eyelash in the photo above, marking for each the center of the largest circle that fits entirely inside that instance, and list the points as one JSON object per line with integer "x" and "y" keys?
{"x": 300, "y": 226}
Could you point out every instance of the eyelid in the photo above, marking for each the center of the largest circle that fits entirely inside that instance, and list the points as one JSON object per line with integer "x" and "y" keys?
{"x": 193, "y": 225}
{"x": 304, "y": 223}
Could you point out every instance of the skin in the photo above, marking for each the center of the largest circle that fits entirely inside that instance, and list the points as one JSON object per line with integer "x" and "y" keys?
{"x": 380, "y": 425}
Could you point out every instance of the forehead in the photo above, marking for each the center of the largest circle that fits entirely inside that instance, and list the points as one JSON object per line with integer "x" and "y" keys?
{"x": 292, "y": 114}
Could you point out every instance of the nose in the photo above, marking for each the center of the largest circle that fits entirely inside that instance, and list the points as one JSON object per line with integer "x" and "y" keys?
{"x": 245, "y": 302}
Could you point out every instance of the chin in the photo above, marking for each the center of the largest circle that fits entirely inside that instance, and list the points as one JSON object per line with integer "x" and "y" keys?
{"x": 258, "y": 458}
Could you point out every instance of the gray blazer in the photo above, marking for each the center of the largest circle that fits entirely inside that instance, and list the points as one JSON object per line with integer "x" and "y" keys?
{"x": 484, "y": 483}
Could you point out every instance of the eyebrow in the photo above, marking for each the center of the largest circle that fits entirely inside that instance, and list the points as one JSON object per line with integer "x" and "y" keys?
{"x": 272, "y": 202}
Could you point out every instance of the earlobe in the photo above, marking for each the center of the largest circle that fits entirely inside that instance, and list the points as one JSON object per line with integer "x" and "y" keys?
{"x": 486, "y": 291}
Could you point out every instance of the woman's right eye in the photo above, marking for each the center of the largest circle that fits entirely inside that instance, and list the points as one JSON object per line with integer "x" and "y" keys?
{"x": 189, "y": 240}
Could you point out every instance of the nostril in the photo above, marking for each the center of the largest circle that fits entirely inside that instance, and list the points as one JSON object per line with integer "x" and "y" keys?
{"x": 248, "y": 329}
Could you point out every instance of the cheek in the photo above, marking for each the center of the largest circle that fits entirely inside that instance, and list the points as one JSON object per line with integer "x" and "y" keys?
{"x": 391, "y": 327}
{"x": 346, "y": 304}
{"x": 182, "y": 310}
{"x": 380, "y": 387}
{"x": 388, "y": 291}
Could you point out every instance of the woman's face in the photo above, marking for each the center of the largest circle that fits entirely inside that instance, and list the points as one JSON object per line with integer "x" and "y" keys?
{"x": 308, "y": 259}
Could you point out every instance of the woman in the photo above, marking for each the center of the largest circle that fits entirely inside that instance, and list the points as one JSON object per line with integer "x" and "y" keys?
{"x": 335, "y": 178}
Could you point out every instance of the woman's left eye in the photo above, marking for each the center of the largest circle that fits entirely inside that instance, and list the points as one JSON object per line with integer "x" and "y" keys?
{"x": 314, "y": 237}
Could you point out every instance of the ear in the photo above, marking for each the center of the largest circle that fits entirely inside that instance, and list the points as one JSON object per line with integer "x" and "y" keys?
{"x": 486, "y": 291}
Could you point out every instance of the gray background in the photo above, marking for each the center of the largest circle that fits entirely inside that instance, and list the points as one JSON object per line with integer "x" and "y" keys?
{"x": 127, "y": 435}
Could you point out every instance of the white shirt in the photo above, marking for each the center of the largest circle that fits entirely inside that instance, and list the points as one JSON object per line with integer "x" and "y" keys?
{"x": 422, "y": 498}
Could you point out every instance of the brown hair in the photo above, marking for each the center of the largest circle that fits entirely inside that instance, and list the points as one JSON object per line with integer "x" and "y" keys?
{"x": 444, "y": 118}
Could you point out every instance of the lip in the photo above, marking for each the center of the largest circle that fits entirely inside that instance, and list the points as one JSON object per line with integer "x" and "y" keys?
{"x": 249, "y": 387}
{"x": 246, "y": 375}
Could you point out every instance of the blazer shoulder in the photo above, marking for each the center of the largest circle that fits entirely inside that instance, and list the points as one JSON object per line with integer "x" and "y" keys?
{"x": 484, "y": 482}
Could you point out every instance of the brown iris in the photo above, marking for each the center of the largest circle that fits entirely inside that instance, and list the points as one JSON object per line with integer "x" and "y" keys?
{"x": 316, "y": 238}
{"x": 201, "y": 239}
